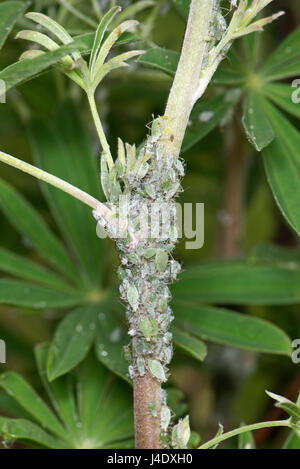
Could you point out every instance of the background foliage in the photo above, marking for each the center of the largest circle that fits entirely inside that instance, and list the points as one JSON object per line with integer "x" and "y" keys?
{"x": 235, "y": 318}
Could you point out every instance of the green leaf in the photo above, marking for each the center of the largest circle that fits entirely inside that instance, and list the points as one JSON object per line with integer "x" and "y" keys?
{"x": 17, "y": 293}
{"x": 288, "y": 406}
{"x": 282, "y": 95}
{"x": 72, "y": 341}
{"x": 162, "y": 59}
{"x": 206, "y": 115}
{"x": 20, "y": 266}
{"x": 24, "y": 430}
{"x": 230, "y": 328}
{"x": 282, "y": 165}
{"x": 284, "y": 61}
{"x": 61, "y": 393}
{"x": 110, "y": 41}
{"x": 10, "y": 12}
{"x": 57, "y": 151}
{"x": 105, "y": 406}
{"x": 30, "y": 224}
{"x": 273, "y": 254}
{"x": 26, "y": 69}
{"x": 192, "y": 345}
{"x": 107, "y": 18}
{"x": 26, "y": 396}
{"x": 256, "y": 124}
{"x": 52, "y": 26}
{"x": 246, "y": 440}
{"x": 111, "y": 337}
{"x": 236, "y": 282}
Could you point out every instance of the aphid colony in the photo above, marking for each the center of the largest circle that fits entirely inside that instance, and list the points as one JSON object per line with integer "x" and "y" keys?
{"x": 147, "y": 266}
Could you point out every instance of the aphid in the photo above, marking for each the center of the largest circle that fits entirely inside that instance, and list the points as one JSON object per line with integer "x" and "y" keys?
{"x": 133, "y": 258}
{"x": 181, "y": 434}
{"x": 131, "y": 371}
{"x": 148, "y": 327}
{"x": 152, "y": 408}
{"x": 165, "y": 417}
{"x": 140, "y": 363}
{"x": 133, "y": 297}
{"x": 157, "y": 370}
{"x": 161, "y": 260}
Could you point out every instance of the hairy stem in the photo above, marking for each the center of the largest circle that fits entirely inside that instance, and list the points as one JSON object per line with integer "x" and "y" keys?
{"x": 186, "y": 82}
{"x": 247, "y": 428}
{"x": 147, "y": 388}
{"x": 100, "y": 130}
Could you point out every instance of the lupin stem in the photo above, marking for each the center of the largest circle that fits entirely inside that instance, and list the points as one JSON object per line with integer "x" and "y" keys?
{"x": 179, "y": 106}
{"x": 100, "y": 131}
{"x": 186, "y": 82}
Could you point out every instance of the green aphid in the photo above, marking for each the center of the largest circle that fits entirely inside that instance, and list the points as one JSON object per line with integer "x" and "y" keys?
{"x": 134, "y": 258}
{"x": 143, "y": 170}
{"x": 165, "y": 417}
{"x": 133, "y": 297}
{"x": 104, "y": 176}
{"x": 157, "y": 370}
{"x": 152, "y": 408}
{"x": 171, "y": 191}
{"x": 148, "y": 327}
{"x": 140, "y": 363}
{"x": 181, "y": 434}
{"x": 163, "y": 305}
{"x": 161, "y": 260}
{"x": 149, "y": 253}
{"x": 157, "y": 128}
{"x": 150, "y": 190}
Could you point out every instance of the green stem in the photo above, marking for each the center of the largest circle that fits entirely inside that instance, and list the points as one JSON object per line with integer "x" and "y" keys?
{"x": 100, "y": 130}
{"x": 247, "y": 428}
{"x": 182, "y": 96}
{"x": 52, "y": 180}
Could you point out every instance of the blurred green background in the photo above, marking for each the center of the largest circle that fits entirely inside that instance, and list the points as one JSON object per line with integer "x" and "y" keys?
{"x": 229, "y": 386}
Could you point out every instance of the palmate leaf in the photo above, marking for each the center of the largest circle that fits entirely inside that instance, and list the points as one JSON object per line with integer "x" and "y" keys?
{"x": 282, "y": 165}
{"x": 104, "y": 23}
{"x": 10, "y": 12}
{"x": 95, "y": 409}
{"x": 18, "y": 293}
{"x": 258, "y": 128}
{"x": 23, "y": 268}
{"x": 26, "y": 69}
{"x": 72, "y": 340}
{"x": 229, "y": 328}
{"x": 237, "y": 282}
{"x": 282, "y": 95}
{"x": 284, "y": 62}
{"x": 31, "y": 225}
